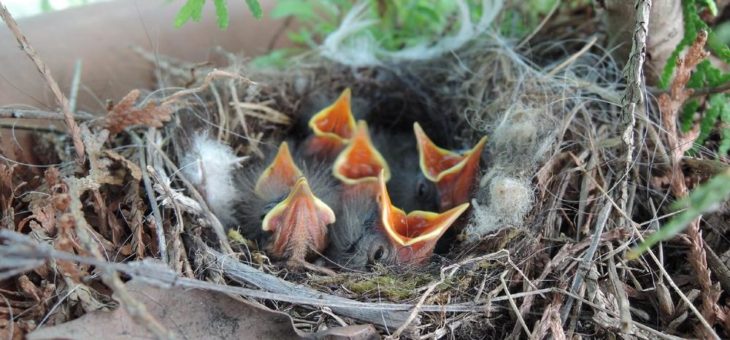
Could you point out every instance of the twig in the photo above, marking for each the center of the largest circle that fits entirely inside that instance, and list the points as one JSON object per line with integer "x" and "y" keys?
{"x": 585, "y": 263}
{"x": 40, "y": 114}
{"x": 573, "y": 57}
{"x": 520, "y": 319}
{"x": 620, "y": 293}
{"x": 75, "y": 82}
{"x": 161, "y": 243}
{"x": 73, "y": 127}
{"x": 206, "y": 82}
{"x": 539, "y": 26}
{"x": 175, "y": 259}
{"x": 633, "y": 98}
{"x": 710, "y": 90}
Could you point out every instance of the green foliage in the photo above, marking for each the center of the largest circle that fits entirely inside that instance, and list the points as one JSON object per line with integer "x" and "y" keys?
{"x": 193, "y": 10}
{"x": 705, "y": 76}
{"x": 702, "y": 200}
{"x": 255, "y": 7}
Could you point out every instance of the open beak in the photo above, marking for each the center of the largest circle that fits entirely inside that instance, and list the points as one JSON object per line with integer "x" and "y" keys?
{"x": 333, "y": 127}
{"x": 278, "y": 178}
{"x": 453, "y": 173}
{"x": 360, "y": 163}
{"x": 414, "y": 235}
{"x": 299, "y": 223}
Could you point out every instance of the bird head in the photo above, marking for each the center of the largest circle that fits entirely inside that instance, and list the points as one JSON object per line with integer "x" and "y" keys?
{"x": 413, "y": 236}
{"x": 332, "y": 128}
{"x": 298, "y": 223}
{"x": 359, "y": 164}
{"x": 357, "y": 239}
{"x": 453, "y": 173}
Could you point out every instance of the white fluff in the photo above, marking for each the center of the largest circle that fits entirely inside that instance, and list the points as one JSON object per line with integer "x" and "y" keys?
{"x": 510, "y": 200}
{"x": 209, "y": 165}
{"x": 349, "y": 44}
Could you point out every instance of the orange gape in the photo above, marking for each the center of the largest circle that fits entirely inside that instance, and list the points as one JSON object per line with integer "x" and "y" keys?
{"x": 454, "y": 174}
{"x": 299, "y": 222}
{"x": 413, "y": 235}
{"x": 279, "y": 177}
{"x": 333, "y": 127}
{"x": 360, "y": 163}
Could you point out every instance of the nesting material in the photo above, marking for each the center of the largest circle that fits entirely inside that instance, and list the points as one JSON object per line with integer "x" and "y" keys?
{"x": 210, "y": 165}
{"x": 508, "y": 202}
{"x": 537, "y": 113}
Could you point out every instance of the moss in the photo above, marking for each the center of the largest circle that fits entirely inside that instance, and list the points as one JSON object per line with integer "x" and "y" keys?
{"x": 393, "y": 286}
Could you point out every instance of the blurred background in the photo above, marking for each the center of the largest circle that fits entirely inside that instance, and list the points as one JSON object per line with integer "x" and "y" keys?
{"x": 26, "y": 8}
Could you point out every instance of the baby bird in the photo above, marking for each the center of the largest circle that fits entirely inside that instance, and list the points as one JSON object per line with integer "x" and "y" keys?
{"x": 286, "y": 209}
{"x": 358, "y": 165}
{"x": 370, "y": 231}
{"x": 454, "y": 174}
{"x": 332, "y": 128}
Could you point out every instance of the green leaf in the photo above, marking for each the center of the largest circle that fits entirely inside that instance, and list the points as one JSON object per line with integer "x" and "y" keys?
{"x": 46, "y": 6}
{"x": 275, "y": 59}
{"x": 221, "y": 10}
{"x": 193, "y": 9}
{"x": 255, "y": 7}
{"x": 688, "y": 114}
{"x": 723, "y": 101}
{"x": 302, "y": 10}
{"x": 701, "y": 200}
{"x": 718, "y": 47}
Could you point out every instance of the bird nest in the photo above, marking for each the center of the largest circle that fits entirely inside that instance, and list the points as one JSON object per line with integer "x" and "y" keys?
{"x": 547, "y": 215}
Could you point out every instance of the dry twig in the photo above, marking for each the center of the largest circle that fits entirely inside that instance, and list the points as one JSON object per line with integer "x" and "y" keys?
{"x": 68, "y": 117}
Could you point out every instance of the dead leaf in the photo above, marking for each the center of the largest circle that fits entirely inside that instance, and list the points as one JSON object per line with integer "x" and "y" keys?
{"x": 356, "y": 332}
{"x": 189, "y": 314}
{"x": 194, "y": 314}
{"x": 6, "y": 192}
{"x": 125, "y": 114}
{"x": 133, "y": 169}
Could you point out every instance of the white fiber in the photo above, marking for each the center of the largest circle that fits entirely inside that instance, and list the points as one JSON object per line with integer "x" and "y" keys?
{"x": 351, "y": 45}
{"x": 209, "y": 165}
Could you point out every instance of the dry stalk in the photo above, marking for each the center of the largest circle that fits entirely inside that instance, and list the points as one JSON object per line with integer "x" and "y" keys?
{"x": 633, "y": 99}
{"x": 660, "y": 266}
{"x": 176, "y": 248}
{"x": 669, "y": 106}
{"x": 29, "y": 113}
{"x": 68, "y": 117}
{"x": 619, "y": 292}
{"x": 173, "y": 98}
{"x": 156, "y": 214}
{"x": 520, "y": 320}
{"x": 587, "y": 259}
